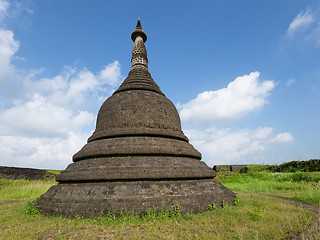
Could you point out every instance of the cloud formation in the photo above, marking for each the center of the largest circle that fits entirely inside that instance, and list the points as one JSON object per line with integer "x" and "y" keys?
{"x": 44, "y": 121}
{"x": 48, "y": 153}
{"x": 226, "y": 146}
{"x": 4, "y": 5}
{"x": 301, "y": 22}
{"x": 243, "y": 95}
{"x": 53, "y": 118}
{"x": 285, "y": 137}
{"x": 305, "y": 27}
{"x": 290, "y": 82}
{"x": 41, "y": 118}
{"x": 8, "y": 47}
{"x": 111, "y": 74}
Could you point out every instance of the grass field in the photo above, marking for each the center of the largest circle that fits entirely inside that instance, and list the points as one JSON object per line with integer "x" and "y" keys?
{"x": 303, "y": 186}
{"x": 254, "y": 217}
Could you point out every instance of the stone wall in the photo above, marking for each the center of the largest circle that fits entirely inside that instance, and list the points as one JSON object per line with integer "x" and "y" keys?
{"x": 236, "y": 168}
{"x": 232, "y": 168}
{"x": 219, "y": 168}
{"x": 25, "y": 173}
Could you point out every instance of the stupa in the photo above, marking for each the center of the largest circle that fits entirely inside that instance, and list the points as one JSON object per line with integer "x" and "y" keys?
{"x": 138, "y": 158}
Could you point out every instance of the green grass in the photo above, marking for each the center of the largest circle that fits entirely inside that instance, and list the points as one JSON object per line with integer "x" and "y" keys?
{"x": 18, "y": 190}
{"x": 253, "y": 217}
{"x": 302, "y": 186}
{"x": 256, "y": 217}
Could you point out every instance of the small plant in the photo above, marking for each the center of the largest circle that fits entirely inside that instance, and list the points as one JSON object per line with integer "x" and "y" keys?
{"x": 162, "y": 214}
{"x": 256, "y": 214}
{"x": 224, "y": 204}
{"x": 212, "y": 206}
{"x": 176, "y": 211}
{"x": 235, "y": 201}
{"x": 150, "y": 215}
{"x": 30, "y": 209}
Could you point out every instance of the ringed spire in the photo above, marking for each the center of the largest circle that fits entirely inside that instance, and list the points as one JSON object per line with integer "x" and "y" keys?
{"x": 139, "y": 76}
{"x": 138, "y": 32}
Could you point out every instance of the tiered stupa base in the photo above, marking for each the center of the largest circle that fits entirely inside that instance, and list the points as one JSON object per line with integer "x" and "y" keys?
{"x": 93, "y": 199}
{"x": 90, "y": 188}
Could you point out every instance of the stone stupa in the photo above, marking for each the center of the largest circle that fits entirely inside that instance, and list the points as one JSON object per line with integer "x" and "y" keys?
{"x": 138, "y": 159}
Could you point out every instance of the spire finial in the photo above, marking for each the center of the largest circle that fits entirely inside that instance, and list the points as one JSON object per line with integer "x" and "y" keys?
{"x": 139, "y": 23}
{"x": 139, "y": 32}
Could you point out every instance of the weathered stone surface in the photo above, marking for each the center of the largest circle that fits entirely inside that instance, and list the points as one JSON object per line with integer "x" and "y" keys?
{"x": 94, "y": 199}
{"x": 232, "y": 168}
{"x": 135, "y": 168}
{"x": 138, "y": 112}
{"x": 136, "y": 146}
{"x": 138, "y": 158}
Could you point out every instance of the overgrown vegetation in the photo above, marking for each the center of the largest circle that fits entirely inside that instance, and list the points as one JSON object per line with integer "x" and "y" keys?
{"x": 256, "y": 217}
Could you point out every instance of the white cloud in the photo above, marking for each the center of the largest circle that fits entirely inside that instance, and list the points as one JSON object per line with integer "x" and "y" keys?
{"x": 227, "y": 146}
{"x": 245, "y": 94}
{"x": 314, "y": 35}
{"x": 10, "y": 79}
{"x": 4, "y": 5}
{"x": 44, "y": 121}
{"x": 72, "y": 88}
{"x": 305, "y": 27}
{"x": 8, "y": 47}
{"x": 285, "y": 137}
{"x": 44, "y": 124}
{"x": 40, "y": 118}
{"x": 290, "y": 81}
{"x": 111, "y": 74}
{"x": 301, "y": 22}
{"x": 52, "y": 153}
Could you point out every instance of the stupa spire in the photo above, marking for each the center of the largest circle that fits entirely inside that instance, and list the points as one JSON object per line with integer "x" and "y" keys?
{"x": 139, "y": 51}
{"x": 139, "y": 76}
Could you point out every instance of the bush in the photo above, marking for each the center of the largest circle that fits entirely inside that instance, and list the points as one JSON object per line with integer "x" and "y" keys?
{"x": 31, "y": 209}
{"x": 313, "y": 165}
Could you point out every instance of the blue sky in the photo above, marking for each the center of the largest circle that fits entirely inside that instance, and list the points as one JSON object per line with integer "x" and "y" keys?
{"x": 244, "y": 75}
